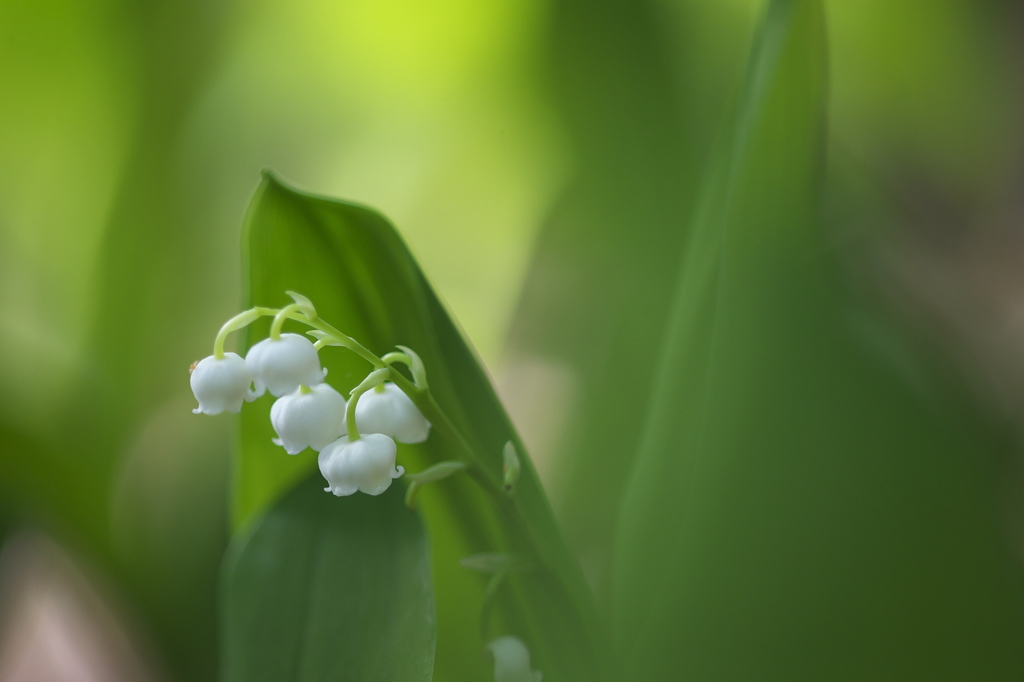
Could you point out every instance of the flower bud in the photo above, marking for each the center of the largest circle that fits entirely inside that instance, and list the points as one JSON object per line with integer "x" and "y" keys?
{"x": 282, "y": 365}
{"x": 308, "y": 417}
{"x": 391, "y": 412}
{"x": 220, "y": 384}
{"x": 512, "y": 661}
{"x": 367, "y": 465}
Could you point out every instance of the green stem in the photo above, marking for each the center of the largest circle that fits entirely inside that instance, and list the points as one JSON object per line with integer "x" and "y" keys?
{"x": 237, "y": 322}
{"x": 342, "y": 339}
{"x": 350, "y": 418}
{"x": 490, "y": 593}
{"x": 282, "y": 315}
{"x": 374, "y": 379}
{"x": 440, "y": 422}
{"x": 350, "y": 415}
{"x": 397, "y": 356}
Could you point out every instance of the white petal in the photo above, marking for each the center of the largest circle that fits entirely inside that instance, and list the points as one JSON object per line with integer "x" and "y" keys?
{"x": 367, "y": 464}
{"x": 220, "y": 384}
{"x": 311, "y": 419}
{"x": 391, "y": 412}
{"x": 282, "y": 365}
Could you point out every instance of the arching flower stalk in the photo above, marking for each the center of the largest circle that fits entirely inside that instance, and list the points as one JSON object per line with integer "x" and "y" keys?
{"x": 356, "y": 439}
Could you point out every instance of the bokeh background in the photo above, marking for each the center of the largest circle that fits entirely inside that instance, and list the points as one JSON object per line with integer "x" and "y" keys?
{"x": 541, "y": 157}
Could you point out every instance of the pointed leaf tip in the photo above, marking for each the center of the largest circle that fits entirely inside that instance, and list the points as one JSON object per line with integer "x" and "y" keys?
{"x": 305, "y": 305}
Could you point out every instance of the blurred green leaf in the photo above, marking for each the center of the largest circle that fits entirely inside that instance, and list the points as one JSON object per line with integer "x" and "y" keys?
{"x": 322, "y": 588}
{"x": 106, "y": 316}
{"x": 808, "y": 503}
{"x": 640, "y": 93}
{"x": 354, "y": 267}
{"x": 930, "y": 106}
{"x": 26, "y": 465}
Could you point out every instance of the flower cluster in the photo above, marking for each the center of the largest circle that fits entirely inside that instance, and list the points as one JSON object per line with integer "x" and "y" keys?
{"x": 309, "y": 413}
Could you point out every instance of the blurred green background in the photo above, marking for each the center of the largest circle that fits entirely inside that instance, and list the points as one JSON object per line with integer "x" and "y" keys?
{"x": 542, "y": 158}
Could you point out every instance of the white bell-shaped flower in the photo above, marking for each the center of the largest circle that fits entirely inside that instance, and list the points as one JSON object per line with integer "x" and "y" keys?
{"x": 308, "y": 417}
{"x": 282, "y": 365}
{"x": 367, "y": 464}
{"x": 512, "y": 661}
{"x": 220, "y": 384}
{"x": 391, "y": 412}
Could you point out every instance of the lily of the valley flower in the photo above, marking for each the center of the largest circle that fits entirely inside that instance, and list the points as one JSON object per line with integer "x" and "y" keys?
{"x": 388, "y": 410}
{"x": 220, "y": 384}
{"x": 282, "y": 365}
{"x": 366, "y": 465}
{"x": 308, "y": 417}
{"x": 512, "y": 661}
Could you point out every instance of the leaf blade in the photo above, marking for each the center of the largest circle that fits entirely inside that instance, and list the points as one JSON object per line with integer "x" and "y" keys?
{"x": 354, "y": 266}
{"x": 322, "y": 588}
{"x": 811, "y": 504}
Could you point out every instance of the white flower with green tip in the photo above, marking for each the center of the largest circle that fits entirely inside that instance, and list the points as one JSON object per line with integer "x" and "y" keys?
{"x": 387, "y": 409}
{"x": 310, "y": 416}
{"x": 281, "y": 365}
{"x": 366, "y": 465}
{"x": 220, "y": 384}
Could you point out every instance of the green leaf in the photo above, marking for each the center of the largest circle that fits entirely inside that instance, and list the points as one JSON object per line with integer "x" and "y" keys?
{"x": 640, "y": 87}
{"x": 305, "y": 305}
{"x": 354, "y": 267}
{"x": 438, "y": 472}
{"x": 322, "y": 588}
{"x": 493, "y": 563}
{"x": 810, "y": 501}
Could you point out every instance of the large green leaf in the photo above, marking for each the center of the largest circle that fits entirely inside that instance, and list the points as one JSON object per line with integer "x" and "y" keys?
{"x": 361, "y": 277}
{"x": 640, "y": 88}
{"x": 325, "y": 589}
{"x": 109, "y": 320}
{"x": 610, "y": 77}
{"x": 810, "y": 502}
